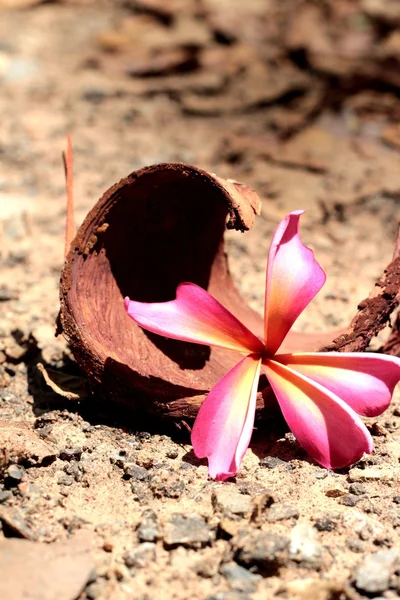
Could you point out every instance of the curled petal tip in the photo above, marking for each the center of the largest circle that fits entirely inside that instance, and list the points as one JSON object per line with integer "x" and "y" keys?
{"x": 293, "y": 279}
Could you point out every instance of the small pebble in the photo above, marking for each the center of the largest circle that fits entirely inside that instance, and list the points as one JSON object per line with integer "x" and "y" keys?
{"x": 370, "y": 474}
{"x": 206, "y": 567}
{"x": 256, "y": 548}
{"x": 303, "y": 547}
{"x": 378, "y": 430}
{"x": 365, "y": 533}
{"x": 74, "y": 469}
{"x": 324, "y": 524}
{"x": 140, "y": 557}
{"x": 350, "y": 500}
{"x": 355, "y": 545}
{"x": 94, "y": 590}
{"x": 108, "y": 546}
{"x": 357, "y": 488}
{"x": 87, "y": 427}
{"x": 94, "y": 95}
{"x": 190, "y": 532}
{"x": 172, "y": 453}
{"x": 15, "y": 520}
{"x": 149, "y": 529}
{"x": 229, "y": 595}
{"x": 5, "y": 495}
{"x": 137, "y": 473}
{"x": 185, "y": 466}
{"x": 121, "y": 572}
{"x": 143, "y": 436}
{"x": 167, "y": 484}
{"x": 7, "y": 294}
{"x": 280, "y": 512}
{"x": 270, "y": 462}
{"x": 335, "y": 493}
{"x": 140, "y": 493}
{"x": 14, "y": 474}
{"x": 65, "y": 480}
{"x": 228, "y": 500}
{"x": 145, "y": 459}
{"x": 373, "y": 574}
{"x": 239, "y": 577}
{"x": 71, "y": 453}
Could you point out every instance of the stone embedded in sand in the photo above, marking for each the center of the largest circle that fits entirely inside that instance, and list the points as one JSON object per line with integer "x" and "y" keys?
{"x": 304, "y": 547}
{"x": 149, "y": 528}
{"x": 229, "y": 500}
{"x": 190, "y": 532}
{"x": 373, "y": 574}
{"x": 372, "y": 474}
{"x": 239, "y": 577}
{"x": 141, "y": 557}
{"x": 281, "y": 512}
{"x": 267, "y": 551}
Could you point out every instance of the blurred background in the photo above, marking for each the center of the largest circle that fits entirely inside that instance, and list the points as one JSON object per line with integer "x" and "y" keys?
{"x": 297, "y": 98}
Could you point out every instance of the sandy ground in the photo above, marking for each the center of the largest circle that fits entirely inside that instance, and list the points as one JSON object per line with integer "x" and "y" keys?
{"x": 299, "y": 100}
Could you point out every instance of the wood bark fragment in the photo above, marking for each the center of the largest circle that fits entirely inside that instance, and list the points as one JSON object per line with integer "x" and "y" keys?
{"x": 374, "y": 312}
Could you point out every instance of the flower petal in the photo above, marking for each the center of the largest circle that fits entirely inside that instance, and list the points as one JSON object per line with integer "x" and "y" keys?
{"x": 194, "y": 316}
{"x": 327, "y": 428}
{"x": 365, "y": 381}
{"x": 224, "y": 424}
{"x": 293, "y": 279}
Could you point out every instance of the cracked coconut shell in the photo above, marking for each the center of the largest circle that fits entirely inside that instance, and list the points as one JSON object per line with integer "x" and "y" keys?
{"x": 158, "y": 227}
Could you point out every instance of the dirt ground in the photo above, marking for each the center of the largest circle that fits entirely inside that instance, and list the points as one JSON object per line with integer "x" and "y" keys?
{"x": 301, "y": 101}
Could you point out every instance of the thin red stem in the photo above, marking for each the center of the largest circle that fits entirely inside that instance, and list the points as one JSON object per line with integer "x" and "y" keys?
{"x": 70, "y": 229}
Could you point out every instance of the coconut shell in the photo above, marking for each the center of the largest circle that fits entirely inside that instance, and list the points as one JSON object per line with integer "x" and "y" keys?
{"x": 154, "y": 229}
{"x": 158, "y": 227}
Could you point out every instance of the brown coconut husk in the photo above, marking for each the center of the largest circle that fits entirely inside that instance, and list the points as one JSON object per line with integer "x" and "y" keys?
{"x": 158, "y": 227}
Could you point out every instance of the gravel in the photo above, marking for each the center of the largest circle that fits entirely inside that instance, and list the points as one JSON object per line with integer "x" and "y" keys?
{"x": 373, "y": 573}
{"x": 190, "y": 532}
{"x": 271, "y": 462}
{"x": 14, "y": 474}
{"x": 357, "y": 489}
{"x": 304, "y": 547}
{"x": 229, "y": 500}
{"x": 149, "y": 528}
{"x": 240, "y": 577}
{"x": 325, "y": 524}
{"x": 267, "y": 551}
{"x": 137, "y": 473}
{"x": 350, "y": 499}
{"x": 140, "y": 557}
{"x": 280, "y": 512}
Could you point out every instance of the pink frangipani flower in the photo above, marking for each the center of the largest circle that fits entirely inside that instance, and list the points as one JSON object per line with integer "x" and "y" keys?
{"x": 321, "y": 395}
